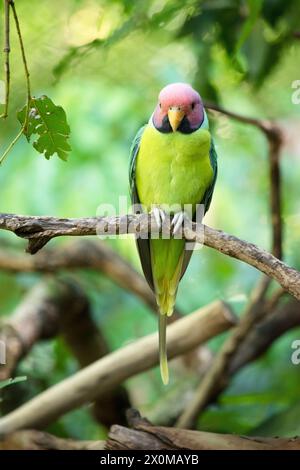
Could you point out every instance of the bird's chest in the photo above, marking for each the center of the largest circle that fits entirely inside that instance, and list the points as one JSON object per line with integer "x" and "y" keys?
{"x": 173, "y": 168}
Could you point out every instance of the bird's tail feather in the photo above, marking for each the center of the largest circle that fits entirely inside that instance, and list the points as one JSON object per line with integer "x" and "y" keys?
{"x": 166, "y": 290}
{"x": 163, "y": 360}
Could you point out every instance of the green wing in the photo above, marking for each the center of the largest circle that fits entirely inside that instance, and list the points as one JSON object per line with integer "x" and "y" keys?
{"x": 134, "y": 150}
{"x": 143, "y": 245}
{"x": 214, "y": 163}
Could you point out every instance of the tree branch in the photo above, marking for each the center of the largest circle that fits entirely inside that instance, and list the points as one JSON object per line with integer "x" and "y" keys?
{"x": 216, "y": 378}
{"x": 264, "y": 333}
{"x": 37, "y": 440}
{"x": 145, "y": 437}
{"x": 39, "y": 230}
{"x": 83, "y": 254}
{"x": 273, "y": 133}
{"x": 59, "y": 306}
{"x": 106, "y": 374}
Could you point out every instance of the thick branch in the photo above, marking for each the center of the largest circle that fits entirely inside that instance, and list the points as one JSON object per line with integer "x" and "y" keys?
{"x": 38, "y": 317}
{"x": 39, "y": 230}
{"x": 145, "y": 436}
{"x": 83, "y": 254}
{"x": 53, "y": 307}
{"x": 37, "y": 440}
{"x": 107, "y": 373}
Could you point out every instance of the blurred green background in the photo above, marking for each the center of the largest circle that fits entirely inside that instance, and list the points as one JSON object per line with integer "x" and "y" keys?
{"x": 244, "y": 55}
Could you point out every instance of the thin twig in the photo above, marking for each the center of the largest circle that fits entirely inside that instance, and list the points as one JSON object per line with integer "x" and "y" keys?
{"x": 107, "y": 373}
{"x": 273, "y": 133}
{"x": 28, "y": 87}
{"x": 6, "y": 51}
{"x": 27, "y": 75}
{"x": 275, "y": 193}
{"x": 265, "y": 125}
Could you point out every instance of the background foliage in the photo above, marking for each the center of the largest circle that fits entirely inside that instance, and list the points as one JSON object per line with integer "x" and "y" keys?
{"x": 104, "y": 62}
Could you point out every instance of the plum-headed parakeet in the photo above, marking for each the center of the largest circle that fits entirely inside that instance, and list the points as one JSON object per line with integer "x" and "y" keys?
{"x": 173, "y": 162}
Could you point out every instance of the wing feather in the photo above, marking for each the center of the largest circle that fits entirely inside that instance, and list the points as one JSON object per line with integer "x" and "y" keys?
{"x": 143, "y": 245}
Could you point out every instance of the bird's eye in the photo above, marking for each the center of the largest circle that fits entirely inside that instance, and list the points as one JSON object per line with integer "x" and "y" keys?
{"x": 160, "y": 105}
{"x": 193, "y": 105}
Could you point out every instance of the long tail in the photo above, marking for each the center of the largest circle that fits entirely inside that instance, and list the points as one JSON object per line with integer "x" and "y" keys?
{"x": 166, "y": 260}
{"x": 165, "y": 301}
{"x": 163, "y": 359}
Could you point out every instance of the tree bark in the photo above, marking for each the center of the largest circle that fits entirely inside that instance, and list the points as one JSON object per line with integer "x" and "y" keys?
{"x": 40, "y": 230}
{"x": 59, "y": 306}
{"x": 37, "y": 440}
{"x": 107, "y": 373}
{"x": 83, "y": 254}
{"x": 146, "y": 437}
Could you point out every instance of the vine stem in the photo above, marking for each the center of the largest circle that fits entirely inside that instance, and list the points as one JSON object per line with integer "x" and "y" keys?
{"x": 23, "y": 129}
{"x": 6, "y": 51}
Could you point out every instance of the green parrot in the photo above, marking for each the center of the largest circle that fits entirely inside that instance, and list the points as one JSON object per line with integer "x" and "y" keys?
{"x": 173, "y": 162}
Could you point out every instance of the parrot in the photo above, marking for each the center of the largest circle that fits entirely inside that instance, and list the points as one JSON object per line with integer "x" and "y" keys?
{"x": 173, "y": 162}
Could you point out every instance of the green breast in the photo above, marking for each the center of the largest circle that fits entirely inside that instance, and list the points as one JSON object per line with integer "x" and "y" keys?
{"x": 173, "y": 168}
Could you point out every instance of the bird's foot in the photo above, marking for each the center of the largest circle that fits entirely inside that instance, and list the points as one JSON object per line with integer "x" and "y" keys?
{"x": 178, "y": 221}
{"x": 159, "y": 216}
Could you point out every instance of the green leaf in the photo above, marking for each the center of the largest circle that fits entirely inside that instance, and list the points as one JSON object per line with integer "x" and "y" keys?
{"x": 48, "y": 123}
{"x": 6, "y": 383}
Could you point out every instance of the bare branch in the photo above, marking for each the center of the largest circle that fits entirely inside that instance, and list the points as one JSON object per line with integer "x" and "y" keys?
{"x": 37, "y": 440}
{"x": 59, "y": 306}
{"x": 107, "y": 373}
{"x": 284, "y": 318}
{"x": 83, "y": 254}
{"x": 273, "y": 133}
{"x": 39, "y": 230}
{"x": 217, "y": 375}
{"x": 145, "y": 437}
{"x": 265, "y": 125}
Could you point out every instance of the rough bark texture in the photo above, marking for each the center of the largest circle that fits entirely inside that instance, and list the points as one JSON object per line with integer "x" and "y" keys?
{"x": 59, "y": 306}
{"x": 83, "y": 254}
{"x": 146, "y": 437}
{"x": 39, "y": 230}
{"x": 37, "y": 440}
{"x": 107, "y": 373}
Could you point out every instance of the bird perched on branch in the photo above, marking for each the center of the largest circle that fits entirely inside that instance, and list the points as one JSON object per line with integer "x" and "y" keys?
{"x": 173, "y": 163}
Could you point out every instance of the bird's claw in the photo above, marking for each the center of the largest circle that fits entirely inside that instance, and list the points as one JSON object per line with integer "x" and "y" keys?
{"x": 177, "y": 221}
{"x": 159, "y": 216}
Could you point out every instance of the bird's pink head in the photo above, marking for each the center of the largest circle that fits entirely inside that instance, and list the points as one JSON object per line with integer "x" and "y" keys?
{"x": 179, "y": 108}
